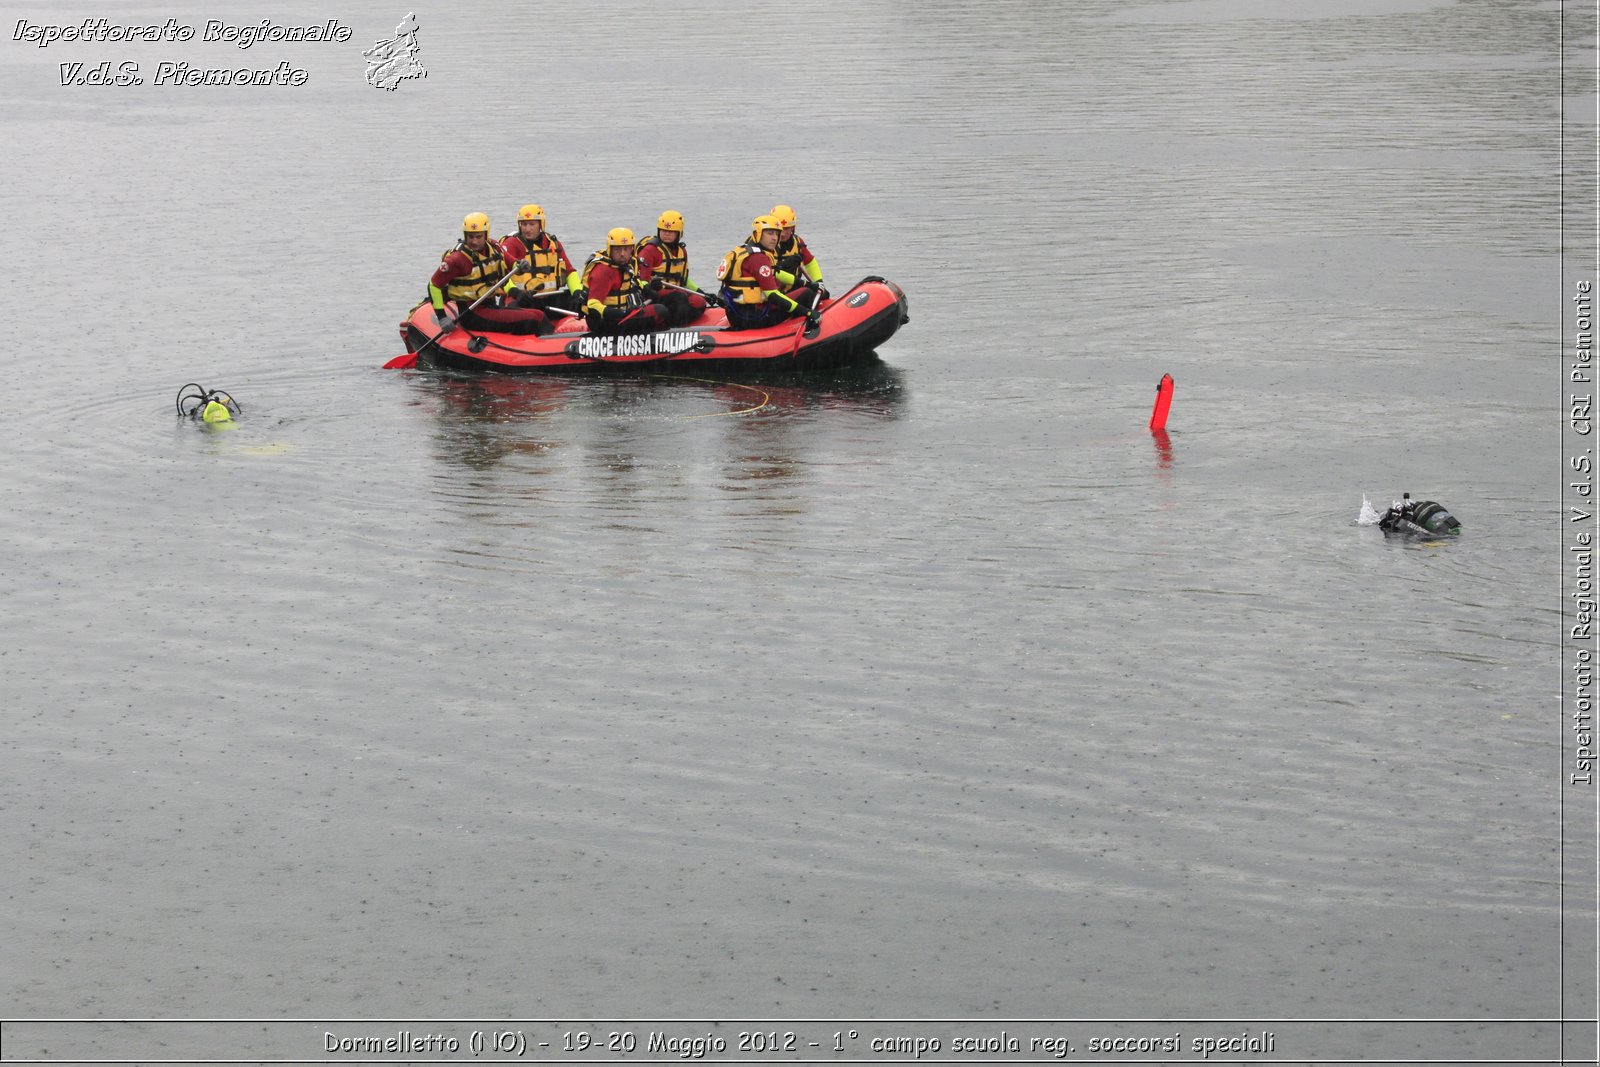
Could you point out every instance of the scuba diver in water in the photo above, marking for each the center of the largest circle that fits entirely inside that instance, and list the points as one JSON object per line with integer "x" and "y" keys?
{"x": 195, "y": 401}
{"x": 1418, "y": 518}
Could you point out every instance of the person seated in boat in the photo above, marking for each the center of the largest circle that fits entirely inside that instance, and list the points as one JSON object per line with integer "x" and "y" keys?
{"x": 793, "y": 264}
{"x": 550, "y": 269}
{"x": 664, "y": 258}
{"x": 750, "y": 288}
{"x": 471, "y": 269}
{"x": 617, "y": 303}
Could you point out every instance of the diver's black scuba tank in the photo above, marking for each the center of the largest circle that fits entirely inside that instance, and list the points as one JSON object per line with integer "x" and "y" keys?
{"x": 1418, "y": 518}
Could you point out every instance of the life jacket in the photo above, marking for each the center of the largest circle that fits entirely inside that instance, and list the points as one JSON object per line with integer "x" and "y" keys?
{"x": 487, "y": 269}
{"x": 546, "y": 256}
{"x": 674, "y": 261}
{"x": 789, "y": 256}
{"x": 627, "y": 284}
{"x": 745, "y": 289}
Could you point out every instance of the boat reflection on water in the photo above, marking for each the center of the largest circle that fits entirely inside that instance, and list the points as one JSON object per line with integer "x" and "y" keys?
{"x": 485, "y": 420}
{"x": 873, "y": 388}
{"x": 789, "y": 419}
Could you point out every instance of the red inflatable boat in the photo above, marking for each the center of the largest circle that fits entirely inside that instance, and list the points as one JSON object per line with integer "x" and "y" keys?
{"x": 850, "y": 327}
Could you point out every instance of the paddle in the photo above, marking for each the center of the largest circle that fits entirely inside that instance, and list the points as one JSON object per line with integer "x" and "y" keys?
{"x": 813, "y": 320}
{"x": 813, "y": 323}
{"x": 409, "y": 360}
{"x": 710, "y": 298}
{"x": 548, "y": 291}
{"x": 548, "y": 308}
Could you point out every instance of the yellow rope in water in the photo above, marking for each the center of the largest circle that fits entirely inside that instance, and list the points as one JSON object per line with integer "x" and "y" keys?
{"x": 766, "y": 398}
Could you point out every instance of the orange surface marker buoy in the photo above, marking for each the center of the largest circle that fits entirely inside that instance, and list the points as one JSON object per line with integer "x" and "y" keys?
{"x": 1158, "y": 417}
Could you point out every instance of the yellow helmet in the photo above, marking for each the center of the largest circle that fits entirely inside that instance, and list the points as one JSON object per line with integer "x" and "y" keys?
{"x": 530, "y": 212}
{"x": 670, "y": 220}
{"x": 477, "y": 222}
{"x": 785, "y": 216}
{"x": 619, "y": 237}
{"x": 762, "y": 222}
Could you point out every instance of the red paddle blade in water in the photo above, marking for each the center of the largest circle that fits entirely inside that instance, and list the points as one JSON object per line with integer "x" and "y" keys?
{"x": 1158, "y": 417}
{"x": 401, "y": 362}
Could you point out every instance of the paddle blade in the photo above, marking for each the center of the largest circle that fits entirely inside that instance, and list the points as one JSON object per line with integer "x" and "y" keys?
{"x": 1158, "y": 417}
{"x": 405, "y": 362}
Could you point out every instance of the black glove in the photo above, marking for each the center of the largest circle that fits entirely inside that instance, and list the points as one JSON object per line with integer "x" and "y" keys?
{"x": 522, "y": 266}
{"x": 822, "y": 290}
{"x": 813, "y": 319}
{"x": 654, "y": 286}
{"x": 599, "y": 320}
{"x": 442, "y": 318}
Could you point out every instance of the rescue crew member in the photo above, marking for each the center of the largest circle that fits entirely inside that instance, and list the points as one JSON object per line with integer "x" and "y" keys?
{"x": 794, "y": 265}
{"x": 749, "y": 288}
{"x": 665, "y": 258}
{"x": 471, "y": 269}
{"x": 617, "y": 303}
{"x": 551, "y": 270}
